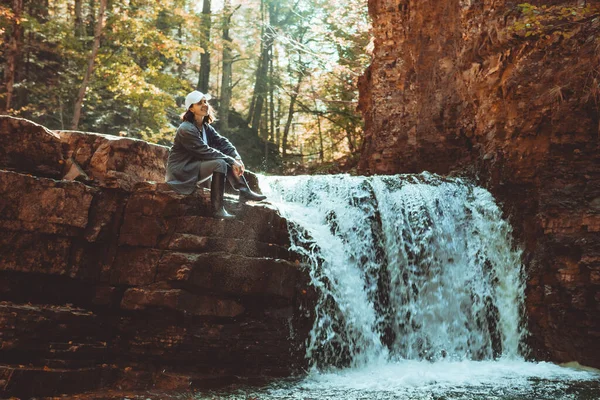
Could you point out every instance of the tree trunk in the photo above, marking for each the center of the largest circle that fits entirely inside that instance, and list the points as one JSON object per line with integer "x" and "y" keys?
{"x": 260, "y": 60}
{"x": 266, "y": 134}
{"x": 290, "y": 117}
{"x": 278, "y": 111}
{"x": 278, "y": 123}
{"x": 321, "y": 149}
{"x": 262, "y": 74}
{"x": 181, "y": 67}
{"x": 271, "y": 100}
{"x": 90, "y": 66}
{"x": 260, "y": 88}
{"x": 226, "y": 78}
{"x": 205, "y": 57}
{"x": 14, "y": 46}
{"x": 91, "y": 18}
{"x": 351, "y": 145}
{"x": 318, "y": 115}
{"x": 79, "y": 26}
{"x": 253, "y": 101}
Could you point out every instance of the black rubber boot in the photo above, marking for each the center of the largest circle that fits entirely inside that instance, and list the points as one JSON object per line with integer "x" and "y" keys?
{"x": 217, "y": 190}
{"x": 246, "y": 193}
{"x": 241, "y": 184}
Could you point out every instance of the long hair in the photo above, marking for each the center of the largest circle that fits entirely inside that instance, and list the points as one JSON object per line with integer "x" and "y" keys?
{"x": 208, "y": 118}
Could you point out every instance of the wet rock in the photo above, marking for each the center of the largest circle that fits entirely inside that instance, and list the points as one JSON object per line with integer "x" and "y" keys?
{"x": 34, "y": 253}
{"x": 135, "y": 266}
{"x": 244, "y": 247}
{"x": 180, "y": 300}
{"x": 231, "y": 274}
{"x": 27, "y": 382}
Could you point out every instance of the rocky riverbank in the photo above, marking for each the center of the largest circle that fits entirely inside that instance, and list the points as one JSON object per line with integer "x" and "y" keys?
{"x": 109, "y": 280}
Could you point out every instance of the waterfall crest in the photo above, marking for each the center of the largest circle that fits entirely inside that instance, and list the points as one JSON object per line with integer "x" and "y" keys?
{"x": 410, "y": 267}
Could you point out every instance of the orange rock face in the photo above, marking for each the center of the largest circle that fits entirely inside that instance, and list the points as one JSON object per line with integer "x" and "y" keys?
{"x": 510, "y": 96}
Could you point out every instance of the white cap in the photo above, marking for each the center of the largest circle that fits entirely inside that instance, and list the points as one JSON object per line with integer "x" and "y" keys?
{"x": 195, "y": 97}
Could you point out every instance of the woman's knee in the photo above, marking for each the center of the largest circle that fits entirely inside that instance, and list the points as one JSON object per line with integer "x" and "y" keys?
{"x": 221, "y": 166}
{"x": 208, "y": 167}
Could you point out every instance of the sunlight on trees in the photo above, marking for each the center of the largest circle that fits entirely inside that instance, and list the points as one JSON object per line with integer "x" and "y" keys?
{"x": 289, "y": 68}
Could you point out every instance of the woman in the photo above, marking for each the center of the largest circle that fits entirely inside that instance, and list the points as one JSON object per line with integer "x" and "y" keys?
{"x": 199, "y": 152}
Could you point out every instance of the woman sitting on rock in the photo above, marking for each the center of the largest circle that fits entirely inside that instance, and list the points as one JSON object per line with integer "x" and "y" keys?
{"x": 199, "y": 152}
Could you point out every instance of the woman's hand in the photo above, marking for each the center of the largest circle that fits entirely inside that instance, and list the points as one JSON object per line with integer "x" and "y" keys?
{"x": 238, "y": 167}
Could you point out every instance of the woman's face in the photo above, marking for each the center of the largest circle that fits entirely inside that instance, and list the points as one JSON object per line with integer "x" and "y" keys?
{"x": 200, "y": 109}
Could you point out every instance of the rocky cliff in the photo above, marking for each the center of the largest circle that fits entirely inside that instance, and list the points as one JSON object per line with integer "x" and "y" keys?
{"x": 111, "y": 280}
{"x": 508, "y": 94}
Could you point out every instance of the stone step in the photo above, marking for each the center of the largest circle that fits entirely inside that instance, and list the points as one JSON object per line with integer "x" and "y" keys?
{"x": 49, "y": 329}
{"x": 160, "y": 214}
{"x": 157, "y": 230}
{"x": 27, "y": 382}
{"x": 163, "y": 296}
{"x": 167, "y": 386}
{"x": 176, "y": 381}
{"x": 23, "y": 287}
{"x": 234, "y": 343}
{"x": 93, "y": 349}
{"x": 70, "y": 363}
{"x": 56, "y": 355}
{"x": 246, "y": 227}
{"x": 219, "y": 273}
{"x": 208, "y": 226}
{"x": 231, "y": 274}
{"x": 186, "y": 242}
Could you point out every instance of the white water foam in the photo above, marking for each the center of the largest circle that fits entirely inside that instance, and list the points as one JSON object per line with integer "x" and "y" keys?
{"x": 441, "y": 380}
{"x": 426, "y": 375}
{"x": 408, "y": 267}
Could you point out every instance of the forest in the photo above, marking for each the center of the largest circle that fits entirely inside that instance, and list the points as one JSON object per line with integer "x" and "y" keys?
{"x": 282, "y": 73}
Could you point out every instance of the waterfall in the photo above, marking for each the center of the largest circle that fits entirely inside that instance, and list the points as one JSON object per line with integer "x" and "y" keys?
{"x": 409, "y": 267}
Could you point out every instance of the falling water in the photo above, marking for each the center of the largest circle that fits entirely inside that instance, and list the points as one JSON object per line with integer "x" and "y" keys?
{"x": 420, "y": 292}
{"x": 411, "y": 268}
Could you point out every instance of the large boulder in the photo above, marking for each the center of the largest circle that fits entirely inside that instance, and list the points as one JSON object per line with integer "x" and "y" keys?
{"x": 40, "y": 205}
{"x": 30, "y": 148}
{"x": 113, "y": 161}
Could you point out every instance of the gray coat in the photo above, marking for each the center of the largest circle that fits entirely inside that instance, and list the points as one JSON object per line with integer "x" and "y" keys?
{"x": 189, "y": 150}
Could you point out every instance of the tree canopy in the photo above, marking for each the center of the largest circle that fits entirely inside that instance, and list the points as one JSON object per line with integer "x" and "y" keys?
{"x": 282, "y": 72}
